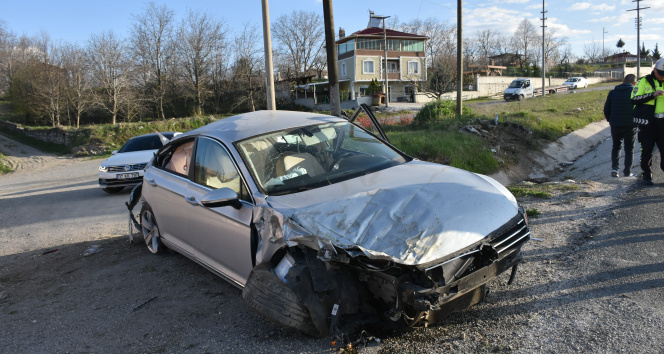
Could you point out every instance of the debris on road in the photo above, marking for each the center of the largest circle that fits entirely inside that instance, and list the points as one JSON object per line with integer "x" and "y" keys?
{"x": 92, "y": 250}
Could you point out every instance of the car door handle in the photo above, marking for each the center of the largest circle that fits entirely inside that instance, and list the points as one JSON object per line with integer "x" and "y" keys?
{"x": 151, "y": 182}
{"x": 191, "y": 200}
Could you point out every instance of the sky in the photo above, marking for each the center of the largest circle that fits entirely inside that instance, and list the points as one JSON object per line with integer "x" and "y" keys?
{"x": 581, "y": 21}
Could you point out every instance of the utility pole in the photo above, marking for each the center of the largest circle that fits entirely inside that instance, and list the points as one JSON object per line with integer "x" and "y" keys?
{"x": 638, "y": 35}
{"x": 269, "y": 71}
{"x": 332, "y": 74}
{"x": 459, "y": 58}
{"x": 543, "y": 51}
{"x": 604, "y": 31}
{"x": 387, "y": 88}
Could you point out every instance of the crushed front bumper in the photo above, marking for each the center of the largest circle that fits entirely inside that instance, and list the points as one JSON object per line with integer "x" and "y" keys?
{"x": 440, "y": 302}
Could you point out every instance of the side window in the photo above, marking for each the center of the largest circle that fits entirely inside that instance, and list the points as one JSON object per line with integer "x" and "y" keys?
{"x": 180, "y": 159}
{"x": 214, "y": 168}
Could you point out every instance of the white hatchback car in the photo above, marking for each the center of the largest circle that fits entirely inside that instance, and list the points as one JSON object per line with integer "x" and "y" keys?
{"x": 576, "y": 82}
{"x": 126, "y": 166}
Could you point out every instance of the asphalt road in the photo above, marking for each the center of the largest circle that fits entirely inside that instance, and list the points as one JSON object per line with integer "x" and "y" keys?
{"x": 57, "y": 202}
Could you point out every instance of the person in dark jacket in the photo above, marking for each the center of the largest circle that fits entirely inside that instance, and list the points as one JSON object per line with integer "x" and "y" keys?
{"x": 648, "y": 100}
{"x": 618, "y": 111}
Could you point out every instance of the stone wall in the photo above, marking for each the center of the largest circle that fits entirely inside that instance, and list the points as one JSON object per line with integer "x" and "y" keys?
{"x": 53, "y": 135}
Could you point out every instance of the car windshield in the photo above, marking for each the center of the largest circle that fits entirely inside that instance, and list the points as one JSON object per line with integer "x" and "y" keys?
{"x": 147, "y": 142}
{"x": 303, "y": 158}
{"x": 516, "y": 84}
{"x": 572, "y": 80}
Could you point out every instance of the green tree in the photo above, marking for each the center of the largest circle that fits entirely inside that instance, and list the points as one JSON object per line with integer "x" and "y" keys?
{"x": 374, "y": 87}
{"x": 620, "y": 43}
{"x": 655, "y": 53}
{"x": 644, "y": 53}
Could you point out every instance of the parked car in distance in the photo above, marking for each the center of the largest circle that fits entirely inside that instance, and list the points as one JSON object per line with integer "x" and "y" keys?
{"x": 320, "y": 222}
{"x": 126, "y": 166}
{"x": 576, "y": 82}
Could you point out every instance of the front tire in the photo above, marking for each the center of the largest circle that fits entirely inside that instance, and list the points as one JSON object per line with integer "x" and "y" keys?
{"x": 150, "y": 230}
{"x": 266, "y": 294}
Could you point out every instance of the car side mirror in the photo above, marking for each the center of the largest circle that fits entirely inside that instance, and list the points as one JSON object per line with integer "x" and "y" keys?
{"x": 221, "y": 197}
{"x": 114, "y": 152}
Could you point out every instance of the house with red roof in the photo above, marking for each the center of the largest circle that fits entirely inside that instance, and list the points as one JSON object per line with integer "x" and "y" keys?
{"x": 361, "y": 59}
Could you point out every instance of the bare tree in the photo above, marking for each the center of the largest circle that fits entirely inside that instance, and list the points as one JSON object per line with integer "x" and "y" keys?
{"x": 150, "y": 39}
{"x": 107, "y": 60}
{"x": 300, "y": 37}
{"x": 200, "y": 39}
{"x": 52, "y": 95}
{"x": 524, "y": 39}
{"x": 247, "y": 63}
{"x": 442, "y": 37}
{"x": 553, "y": 45}
{"x": 48, "y": 85}
{"x": 565, "y": 54}
{"x": 77, "y": 80}
{"x": 486, "y": 42}
{"x": 7, "y": 43}
{"x": 593, "y": 51}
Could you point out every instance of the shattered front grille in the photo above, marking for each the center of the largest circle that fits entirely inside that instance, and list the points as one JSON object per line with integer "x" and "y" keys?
{"x": 514, "y": 237}
{"x": 125, "y": 168}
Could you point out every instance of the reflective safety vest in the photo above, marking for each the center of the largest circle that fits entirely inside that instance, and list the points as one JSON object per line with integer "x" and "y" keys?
{"x": 643, "y": 94}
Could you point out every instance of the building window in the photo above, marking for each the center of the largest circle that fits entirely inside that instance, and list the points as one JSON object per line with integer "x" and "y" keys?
{"x": 392, "y": 67}
{"x": 370, "y": 44}
{"x": 363, "y": 90}
{"x": 412, "y": 46}
{"x": 393, "y": 44}
{"x": 346, "y": 47}
{"x": 413, "y": 67}
{"x": 343, "y": 69}
{"x": 368, "y": 66}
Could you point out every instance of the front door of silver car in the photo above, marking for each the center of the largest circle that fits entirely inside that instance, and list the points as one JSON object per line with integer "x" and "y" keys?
{"x": 220, "y": 235}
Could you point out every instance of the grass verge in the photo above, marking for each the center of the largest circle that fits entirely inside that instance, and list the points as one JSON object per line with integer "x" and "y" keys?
{"x": 4, "y": 168}
{"x": 544, "y": 191}
{"x": 550, "y": 117}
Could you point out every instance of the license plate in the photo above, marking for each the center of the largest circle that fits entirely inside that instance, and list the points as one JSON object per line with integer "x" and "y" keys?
{"x": 127, "y": 175}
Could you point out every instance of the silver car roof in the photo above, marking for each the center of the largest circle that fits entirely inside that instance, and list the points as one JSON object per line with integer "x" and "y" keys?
{"x": 250, "y": 124}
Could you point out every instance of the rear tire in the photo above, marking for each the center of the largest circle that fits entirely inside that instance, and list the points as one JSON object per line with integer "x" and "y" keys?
{"x": 112, "y": 190}
{"x": 274, "y": 300}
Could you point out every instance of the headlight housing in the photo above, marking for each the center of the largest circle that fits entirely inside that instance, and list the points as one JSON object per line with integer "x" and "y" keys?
{"x": 103, "y": 168}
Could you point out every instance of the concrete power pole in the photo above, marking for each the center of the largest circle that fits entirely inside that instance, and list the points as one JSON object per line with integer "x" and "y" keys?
{"x": 604, "y": 31}
{"x": 332, "y": 74}
{"x": 459, "y": 58}
{"x": 543, "y": 51}
{"x": 387, "y": 87}
{"x": 269, "y": 71}
{"x": 638, "y": 35}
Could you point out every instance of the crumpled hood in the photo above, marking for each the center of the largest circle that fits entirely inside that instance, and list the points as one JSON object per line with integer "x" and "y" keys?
{"x": 127, "y": 158}
{"x": 512, "y": 90}
{"x": 413, "y": 213}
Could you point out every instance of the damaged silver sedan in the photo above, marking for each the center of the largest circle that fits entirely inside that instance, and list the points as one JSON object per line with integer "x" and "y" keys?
{"x": 323, "y": 224}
